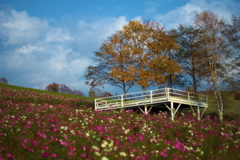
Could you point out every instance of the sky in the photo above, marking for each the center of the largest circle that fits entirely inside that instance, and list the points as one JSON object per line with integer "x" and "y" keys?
{"x": 46, "y": 41}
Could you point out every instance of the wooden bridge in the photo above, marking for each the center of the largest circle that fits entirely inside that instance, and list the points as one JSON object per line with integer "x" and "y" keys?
{"x": 165, "y": 99}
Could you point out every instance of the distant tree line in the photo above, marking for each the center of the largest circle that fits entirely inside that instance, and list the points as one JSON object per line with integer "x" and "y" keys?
{"x": 146, "y": 54}
{"x": 62, "y": 88}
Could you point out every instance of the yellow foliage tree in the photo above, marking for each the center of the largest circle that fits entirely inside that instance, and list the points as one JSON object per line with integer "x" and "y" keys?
{"x": 134, "y": 56}
{"x": 150, "y": 46}
{"x": 54, "y": 87}
{"x": 114, "y": 60}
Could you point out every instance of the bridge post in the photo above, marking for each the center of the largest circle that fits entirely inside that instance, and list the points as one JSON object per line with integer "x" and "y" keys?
{"x": 198, "y": 112}
{"x": 168, "y": 93}
{"x": 188, "y": 96}
{"x": 122, "y": 101}
{"x": 151, "y": 97}
{"x": 145, "y": 110}
{"x": 172, "y": 110}
{"x": 95, "y": 104}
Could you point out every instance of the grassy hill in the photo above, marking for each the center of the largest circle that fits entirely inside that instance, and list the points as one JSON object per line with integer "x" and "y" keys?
{"x": 3, "y": 85}
{"x": 36, "y": 124}
{"x": 231, "y": 106}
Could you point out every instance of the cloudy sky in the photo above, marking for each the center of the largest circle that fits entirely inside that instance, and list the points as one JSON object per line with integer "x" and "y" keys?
{"x": 46, "y": 41}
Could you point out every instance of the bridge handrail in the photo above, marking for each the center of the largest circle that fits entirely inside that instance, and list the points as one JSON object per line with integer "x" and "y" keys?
{"x": 149, "y": 95}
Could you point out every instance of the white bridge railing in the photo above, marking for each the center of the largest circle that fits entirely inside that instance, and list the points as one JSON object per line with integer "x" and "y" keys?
{"x": 151, "y": 97}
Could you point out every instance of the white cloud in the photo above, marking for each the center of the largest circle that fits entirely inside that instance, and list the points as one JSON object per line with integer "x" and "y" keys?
{"x": 99, "y": 30}
{"x": 29, "y": 49}
{"x": 20, "y": 28}
{"x": 34, "y": 54}
{"x": 138, "y": 18}
{"x": 58, "y": 34}
{"x": 186, "y": 13}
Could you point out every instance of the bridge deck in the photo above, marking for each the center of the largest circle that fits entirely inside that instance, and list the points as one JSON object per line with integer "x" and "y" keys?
{"x": 153, "y": 98}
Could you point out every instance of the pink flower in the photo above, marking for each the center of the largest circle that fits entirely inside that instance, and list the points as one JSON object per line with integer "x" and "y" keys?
{"x": 64, "y": 143}
{"x": 25, "y": 140}
{"x": 163, "y": 154}
{"x": 99, "y": 128}
{"x": 83, "y": 155}
{"x": 45, "y": 154}
{"x": 34, "y": 143}
{"x": 9, "y": 155}
{"x": 54, "y": 155}
{"x": 23, "y": 145}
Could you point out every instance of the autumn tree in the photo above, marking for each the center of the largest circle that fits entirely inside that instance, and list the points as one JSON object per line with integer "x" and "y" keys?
{"x": 134, "y": 56}
{"x": 64, "y": 89}
{"x": 190, "y": 55}
{"x": 54, "y": 87}
{"x": 165, "y": 61}
{"x": 148, "y": 43}
{"x": 215, "y": 50}
{"x": 98, "y": 92}
{"x": 113, "y": 61}
{"x": 77, "y": 92}
{"x": 107, "y": 94}
{"x": 4, "y": 80}
{"x": 138, "y": 36}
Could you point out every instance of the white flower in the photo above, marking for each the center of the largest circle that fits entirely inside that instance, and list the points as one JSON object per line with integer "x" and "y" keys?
{"x": 97, "y": 154}
{"x": 104, "y": 158}
{"x": 123, "y": 154}
{"x": 95, "y": 147}
{"x": 126, "y": 131}
{"x": 104, "y": 144}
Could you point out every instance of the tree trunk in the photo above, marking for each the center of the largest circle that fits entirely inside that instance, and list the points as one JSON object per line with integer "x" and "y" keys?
{"x": 217, "y": 93}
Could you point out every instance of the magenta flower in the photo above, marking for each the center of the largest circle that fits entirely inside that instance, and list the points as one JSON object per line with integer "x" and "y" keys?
{"x": 45, "y": 154}
{"x": 25, "y": 140}
{"x": 64, "y": 143}
{"x": 83, "y": 155}
{"x": 23, "y": 145}
{"x": 163, "y": 154}
{"x": 9, "y": 155}
{"x": 179, "y": 146}
{"x": 54, "y": 155}
{"x": 30, "y": 149}
{"x": 99, "y": 128}
{"x": 34, "y": 143}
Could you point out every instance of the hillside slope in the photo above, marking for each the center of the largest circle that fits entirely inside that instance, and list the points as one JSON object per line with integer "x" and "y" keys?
{"x": 45, "y": 92}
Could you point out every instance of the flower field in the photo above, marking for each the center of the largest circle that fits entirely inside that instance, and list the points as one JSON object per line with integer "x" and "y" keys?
{"x": 42, "y": 126}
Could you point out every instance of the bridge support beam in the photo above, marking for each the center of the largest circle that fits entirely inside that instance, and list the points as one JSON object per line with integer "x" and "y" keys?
{"x": 198, "y": 113}
{"x": 172, "y": 111}
{"x": 146, "y": 111}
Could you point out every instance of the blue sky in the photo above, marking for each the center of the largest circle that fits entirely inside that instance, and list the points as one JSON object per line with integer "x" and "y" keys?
{"x": 46, "y": 41}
